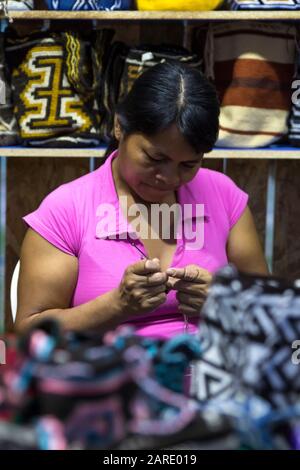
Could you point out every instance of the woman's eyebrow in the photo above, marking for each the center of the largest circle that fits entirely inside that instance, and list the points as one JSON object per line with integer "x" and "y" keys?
{"x": 162, "y": 154}
{"x": 158, "y": 153}
{"x": 197, "y": 160}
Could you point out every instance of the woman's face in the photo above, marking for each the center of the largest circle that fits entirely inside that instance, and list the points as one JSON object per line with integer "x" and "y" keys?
{"x": 155, "y": 167}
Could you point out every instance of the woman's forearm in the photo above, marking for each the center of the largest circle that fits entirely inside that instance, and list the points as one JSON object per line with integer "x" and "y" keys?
{"x": 102, "y": 313}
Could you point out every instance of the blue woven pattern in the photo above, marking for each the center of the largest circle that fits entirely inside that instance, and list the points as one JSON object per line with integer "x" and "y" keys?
{"x": 106, "y": 5}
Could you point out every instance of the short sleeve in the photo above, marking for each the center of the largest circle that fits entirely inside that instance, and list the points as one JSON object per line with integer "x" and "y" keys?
{"x": 56, "y": 220}
{"x": 236, "y": 200}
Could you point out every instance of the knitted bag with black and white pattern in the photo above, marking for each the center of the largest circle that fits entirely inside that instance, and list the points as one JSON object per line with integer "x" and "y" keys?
{"x": 264, "y": 4}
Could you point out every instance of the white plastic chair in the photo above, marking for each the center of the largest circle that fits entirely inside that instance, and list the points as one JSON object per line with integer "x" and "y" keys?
{"x": 14, "y": 291}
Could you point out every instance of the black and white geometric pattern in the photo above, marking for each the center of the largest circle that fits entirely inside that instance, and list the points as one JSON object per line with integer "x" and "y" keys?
{"x": 9, "y": 132}
{"x": 78, "y": 5}
{"x": 294, "y": 121}
{"x": 13, "y": 5}
{"x": 248, "y": 328}
{"x": 264, "y": 4}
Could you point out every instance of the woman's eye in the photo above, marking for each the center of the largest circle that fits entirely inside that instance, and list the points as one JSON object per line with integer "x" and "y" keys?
{"x": 186, "y": 165}
{"x": 151, "y": 158}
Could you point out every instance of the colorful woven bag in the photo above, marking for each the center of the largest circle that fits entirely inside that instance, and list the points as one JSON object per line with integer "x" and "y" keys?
{"x": 8, "y": 6}
{"x": 11, "y": 5}
{"x": 125, "y": 66}
{"x": 9, "y": 132}
{"x": 252, "y": 65}
{"x": 106, "y": 5}
{"x": 294, "y": 121}
{"x": 249, "y": 324}
{"x": 264, "y": 4}
{"x": 142, "y": 58}
{"x": 54, "y": 88}
{"x": 179, "y": 5}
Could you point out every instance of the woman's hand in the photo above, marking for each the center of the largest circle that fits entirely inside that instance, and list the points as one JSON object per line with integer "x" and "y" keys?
{"x": 142, "y": 288}
{"x": 192, "y": 284}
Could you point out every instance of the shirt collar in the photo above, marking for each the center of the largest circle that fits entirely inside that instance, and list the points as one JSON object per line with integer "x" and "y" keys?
{"x": 119, "y": 224}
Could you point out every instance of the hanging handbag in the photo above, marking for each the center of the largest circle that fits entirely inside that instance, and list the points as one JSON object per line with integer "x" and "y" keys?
{"x": 55, "y": 81}
{"x": 252, "y": 65}
{"x": 294, "y": 121}
{"x": 264, "y": 4}
{"x": 127, "y": 65}
{"x": 12, "y": 5}
{"x": 78, "y": 5}
{"x": 142, "y": 58}
{"x": 9, "y": 132}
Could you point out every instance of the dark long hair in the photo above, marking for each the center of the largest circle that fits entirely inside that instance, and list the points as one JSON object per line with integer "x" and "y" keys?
{"x": 170, "y": 93}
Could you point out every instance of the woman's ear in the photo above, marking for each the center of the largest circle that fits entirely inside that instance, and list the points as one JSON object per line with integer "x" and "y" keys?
{"x": 117, "y": 129}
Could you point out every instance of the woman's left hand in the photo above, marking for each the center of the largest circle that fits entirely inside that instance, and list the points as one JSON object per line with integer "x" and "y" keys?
{"x": 191, "y": 283}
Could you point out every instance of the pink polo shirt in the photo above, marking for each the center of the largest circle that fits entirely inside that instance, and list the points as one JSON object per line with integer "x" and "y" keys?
{"x": 70, "y": 219}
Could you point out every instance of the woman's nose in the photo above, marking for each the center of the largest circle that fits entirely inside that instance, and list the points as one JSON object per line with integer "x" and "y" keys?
{"x": 168, "y": 176}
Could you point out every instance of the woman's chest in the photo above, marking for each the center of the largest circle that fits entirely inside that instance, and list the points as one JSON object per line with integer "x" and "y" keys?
{"x": 164, "y": 250}
{"x": 103, "y": 260}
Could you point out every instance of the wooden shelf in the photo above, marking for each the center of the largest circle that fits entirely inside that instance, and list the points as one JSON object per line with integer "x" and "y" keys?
{"x": 276, "y": 153}
{"x": 52, "y": 152}
{"x": 155, "y": 15}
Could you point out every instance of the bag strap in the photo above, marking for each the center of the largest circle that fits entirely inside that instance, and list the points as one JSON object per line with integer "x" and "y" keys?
{"x": 79, "y": 53}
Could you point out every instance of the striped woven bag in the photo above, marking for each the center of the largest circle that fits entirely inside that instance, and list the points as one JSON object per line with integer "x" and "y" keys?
{"x": 252, "y": 65}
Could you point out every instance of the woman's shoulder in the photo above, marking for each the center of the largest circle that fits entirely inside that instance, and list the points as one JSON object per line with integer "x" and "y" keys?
{"x": 84, "y": 182}
{"x": 78, "y": 189}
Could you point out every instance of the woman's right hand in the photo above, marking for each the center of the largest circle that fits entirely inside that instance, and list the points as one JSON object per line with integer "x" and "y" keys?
{"x": 142, "y": 288}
